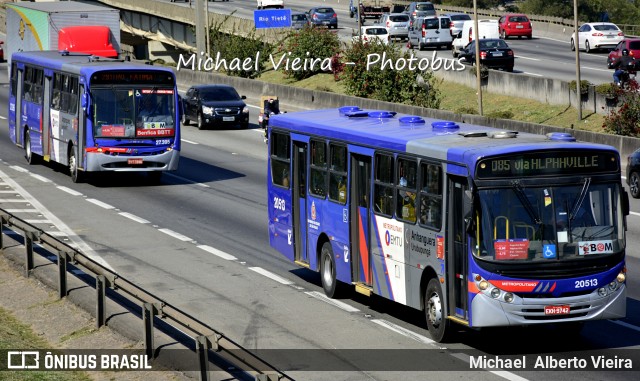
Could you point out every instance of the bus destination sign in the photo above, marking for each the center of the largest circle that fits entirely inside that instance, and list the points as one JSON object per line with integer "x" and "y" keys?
{"x": 114, "y": 77}
{"x": 547, "y": 163}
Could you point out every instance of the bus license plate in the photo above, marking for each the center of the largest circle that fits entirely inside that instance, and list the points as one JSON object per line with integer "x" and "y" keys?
{"x": 228, "y": 118}
{"x": 134, "y": 161}
{"x": 556, "y": 310}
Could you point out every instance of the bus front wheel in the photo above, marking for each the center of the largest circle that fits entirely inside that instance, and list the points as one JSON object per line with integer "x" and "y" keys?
{"x": 28, "y": 153}
{"x": 328, "y": 271}
{"x": 437, "y": 321}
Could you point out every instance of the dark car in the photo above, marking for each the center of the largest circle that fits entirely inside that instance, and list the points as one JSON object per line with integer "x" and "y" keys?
{"x": 323, "y": 16}
{"x": 633, "y": 173}
{"x": 494, "y": 53}
{"x": 211, "y": 105}
{"x": 631, "y": 44}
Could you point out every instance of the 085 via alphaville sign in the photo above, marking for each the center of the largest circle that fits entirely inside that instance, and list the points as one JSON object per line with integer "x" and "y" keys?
{"x": 272, "y": 18}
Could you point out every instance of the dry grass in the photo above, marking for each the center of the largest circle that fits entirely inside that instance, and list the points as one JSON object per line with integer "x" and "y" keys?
{"x": 459, "y": 98}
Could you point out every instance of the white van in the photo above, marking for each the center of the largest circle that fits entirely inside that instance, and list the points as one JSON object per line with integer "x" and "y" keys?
{"x": 264, "y": 4}
{"x": 432, "y": 31}
{"x": 486, "y": 29}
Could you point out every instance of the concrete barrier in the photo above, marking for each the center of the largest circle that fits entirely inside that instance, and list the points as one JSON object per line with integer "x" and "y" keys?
{"x": 298, "y": 97}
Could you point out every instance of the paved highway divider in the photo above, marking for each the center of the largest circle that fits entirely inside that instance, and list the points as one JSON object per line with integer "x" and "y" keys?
{"x": 155, "y": 312}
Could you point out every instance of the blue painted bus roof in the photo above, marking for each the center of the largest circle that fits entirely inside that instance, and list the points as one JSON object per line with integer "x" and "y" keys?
{"x": 420, "y": 139}
{"x": 79, "y": 63}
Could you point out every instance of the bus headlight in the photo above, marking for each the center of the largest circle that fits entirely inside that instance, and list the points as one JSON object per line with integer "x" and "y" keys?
{"x": 621, "y": 278}
{"x": 602, "y": 291}
{"x": 495, "y": 293}
{"x": 613, "y": 286}
{"x": 508, "y": 297}
{"x": 483, "y": 285}
{"x": 207, "y": 110}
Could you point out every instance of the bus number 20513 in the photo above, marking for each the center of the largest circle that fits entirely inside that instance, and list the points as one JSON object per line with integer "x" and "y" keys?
{"x": 586, "y": 283}
{"x": 278, "y": 203}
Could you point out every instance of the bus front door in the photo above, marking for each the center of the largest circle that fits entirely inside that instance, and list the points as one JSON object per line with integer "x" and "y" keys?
{"x": 459, "y": 207}
{"x": 299, "y": 202}
{"x": 359, "y": 216}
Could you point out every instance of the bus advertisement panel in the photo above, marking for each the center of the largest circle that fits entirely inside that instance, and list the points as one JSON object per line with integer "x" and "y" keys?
{"x": 473, "y": 225}
{"x": 93, "y": 114}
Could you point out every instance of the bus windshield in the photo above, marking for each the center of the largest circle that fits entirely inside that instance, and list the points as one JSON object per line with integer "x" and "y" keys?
{"x": 133, "y": 112}
{"x": 548, "y": 223}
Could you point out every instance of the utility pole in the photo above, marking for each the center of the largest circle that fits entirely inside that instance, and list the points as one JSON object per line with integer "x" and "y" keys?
{"x": 200, "y": 39}
{"x": 477, "y": 38}
{"x": 576, "y": 43}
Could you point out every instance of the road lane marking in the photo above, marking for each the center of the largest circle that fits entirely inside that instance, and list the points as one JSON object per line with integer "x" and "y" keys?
{"x": 45, "y": 221}
{"x": 184, "y": 179}
{"x": 175, "y": 235}
{"x": 404, "y": 332}
{"x": 69, "y": 190}
{"x": 22, "y": 210}
{"x": 13, "y": 200}
{"x": 271, "y": 275}
{"x": 218, "y": 253}
{"x": 528, "y": 58}
{"x": 61, "y": 226}
{"x": 41, "y": 178}
{"x": 635, "y": 213}
{"x": 500, "y": 373}
{"x": 18, "y": 168}
{"x": 188, "y": 141}
{"x": 100, "y": 203}
{"x": 336, "y": 303}
{"x": 134, "y": 217}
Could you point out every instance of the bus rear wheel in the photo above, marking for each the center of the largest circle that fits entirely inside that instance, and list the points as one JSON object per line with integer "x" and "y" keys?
{"x": 437, "y": 322}
{"x": 76, "y": 175}
{"x": 330, "y": 284}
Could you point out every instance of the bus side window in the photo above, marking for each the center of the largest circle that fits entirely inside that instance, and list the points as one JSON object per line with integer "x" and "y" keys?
{"x": 406, "y": 191}
{"x": 383, "y": 187}
{"x": 431, "y": 195}
{"x": 318, "y": 169}
{"x": 280, "y": 159}
{"x": 338, "y": 174}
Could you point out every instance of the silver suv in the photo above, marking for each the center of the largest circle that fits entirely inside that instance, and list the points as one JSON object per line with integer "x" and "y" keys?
{"x": 421, "y": 9}
{"x": 397, "y": 24}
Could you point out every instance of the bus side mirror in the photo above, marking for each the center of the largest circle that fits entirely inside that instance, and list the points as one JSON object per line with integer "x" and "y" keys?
{"x": 625, "y": 203}
{"x": 84, "y": 101}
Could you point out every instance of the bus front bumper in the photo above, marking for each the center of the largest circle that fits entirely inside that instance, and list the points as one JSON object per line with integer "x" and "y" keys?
{"x": 166, "y": 161}
{"x": 490, "y": 312}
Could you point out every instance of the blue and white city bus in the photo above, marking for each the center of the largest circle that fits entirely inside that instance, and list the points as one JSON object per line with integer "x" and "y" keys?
{"x": 94, "y": 114}
{"x": 473, "y": 225}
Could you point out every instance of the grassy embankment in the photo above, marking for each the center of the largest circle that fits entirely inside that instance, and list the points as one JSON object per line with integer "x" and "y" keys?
{"x": 456, "y": 97}
{"x": 15, "y": 335}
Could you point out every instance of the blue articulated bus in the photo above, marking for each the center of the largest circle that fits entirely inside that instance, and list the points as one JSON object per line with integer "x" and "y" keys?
{"x": 473, "y": 225}
{"x": 94, "y": 114}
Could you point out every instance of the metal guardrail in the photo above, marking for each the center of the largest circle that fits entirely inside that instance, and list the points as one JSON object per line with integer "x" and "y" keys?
{"x": 205, "y": 337}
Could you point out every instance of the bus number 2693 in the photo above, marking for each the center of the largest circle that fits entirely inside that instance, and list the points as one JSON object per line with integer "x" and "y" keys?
{"x": 278, "y": 203}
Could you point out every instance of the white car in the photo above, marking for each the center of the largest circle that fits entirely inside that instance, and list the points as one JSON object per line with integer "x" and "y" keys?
{"x": 597, "y": 35}
{"x": 374, "y": 33}
{"x": 263, "y": 4}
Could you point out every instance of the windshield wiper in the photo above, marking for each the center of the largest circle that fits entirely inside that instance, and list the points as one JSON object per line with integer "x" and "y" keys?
{"x": 526, "y": 203}
{"x": 583, "y": 194}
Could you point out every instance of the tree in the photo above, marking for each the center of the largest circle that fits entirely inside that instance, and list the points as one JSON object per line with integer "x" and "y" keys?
{"x": 392, "y": 84}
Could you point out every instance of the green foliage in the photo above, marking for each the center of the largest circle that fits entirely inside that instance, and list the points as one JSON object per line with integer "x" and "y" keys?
{"x": 608, "y": 89}
{"x": 309, "y": 43}
{"x": 466, "y": 110}
{"x": 405, "y": 86}
{"x": 500, "y": 114}
{"x": 584, "y": 86}
{"x": 482, "y": 4}
{"x": 235, "y": 49}
{"x": 625, "y": 120}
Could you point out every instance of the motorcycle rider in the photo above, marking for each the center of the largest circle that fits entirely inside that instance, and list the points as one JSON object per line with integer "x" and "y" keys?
{"x": 623, "y": 65}
{"x": 271, "y": 107}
